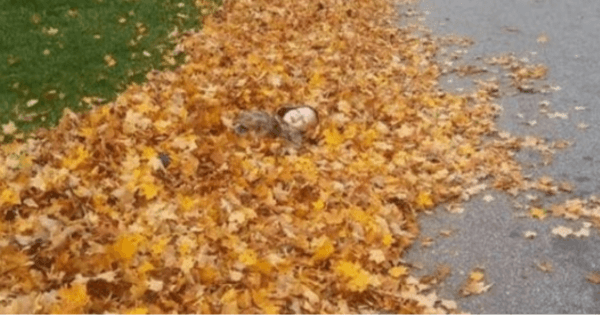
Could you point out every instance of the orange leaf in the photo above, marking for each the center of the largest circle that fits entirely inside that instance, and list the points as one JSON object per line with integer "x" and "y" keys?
{"x": 324, "y": 251}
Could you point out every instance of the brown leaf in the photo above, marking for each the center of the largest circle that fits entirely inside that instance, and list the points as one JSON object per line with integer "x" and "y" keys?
{"x": 545, "y": 266}
{"x": 593, "y": 277}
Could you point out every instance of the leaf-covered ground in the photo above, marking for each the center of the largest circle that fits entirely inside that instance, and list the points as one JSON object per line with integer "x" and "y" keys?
{"x": 92, "y": 221}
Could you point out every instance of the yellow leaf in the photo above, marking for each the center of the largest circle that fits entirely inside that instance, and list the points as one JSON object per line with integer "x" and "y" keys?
{"x": 350, "y": 131}
{"x": 253, "y": 59}
{"x": 76, "y": 158}
{"x": 263, "y": 266}
{"x": 126, "y": 246}
{"x": 424, "y": 200}
{"x": 360, "y": 282}
{"x": 316, "y": 80}
{"x": 186, "y": 202}
{"x": 149, "y": 153}
{"x": 359, "y": 215}
{"x": 145, "y": 267}
{"x": 387, "y": 239}
{"x": 476, "y": 276}
{"x": 398, "y": 271}
{"x": 145, "y": 108}
{"x": 538, "y": 213}
{"x": 248, "y": 257}
{"x": 159, "y": 246}
{"x": 358, "y": 278}
{"x": 100, "y": 204}
{"x": 229, "y": 296}
{"x": 319, "y": 205}
{"x": 185, "y": 248}
{"x": 466, "y": 149}
{"x": 400, "y": 158}
{"x": 149, "y": 190}
{"x": 162, "y": 125}
{"x": 347, "y": 269}
{"x": 324, "y": 251}
{"x": 369, "y": 136}
{"x": 73, "y": 300}
{"x": 86, "y": 132}
{"x": 261, "y": 299}
{"x": 9, "y": 197}
{"x": 333, "y": 138}
{"x": 138, "y": 310}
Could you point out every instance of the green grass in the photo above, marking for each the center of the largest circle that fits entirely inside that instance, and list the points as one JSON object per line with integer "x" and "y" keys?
{"x": 55, "y": 54}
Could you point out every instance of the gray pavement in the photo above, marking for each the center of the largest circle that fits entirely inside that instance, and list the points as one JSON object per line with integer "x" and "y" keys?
{"x": 490, "y": 234}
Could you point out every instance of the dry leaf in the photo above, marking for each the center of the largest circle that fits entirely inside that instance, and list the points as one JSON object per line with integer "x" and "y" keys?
{"x": 475, "y": 284}
{"x": 583, "y": 126}
{"x": 446, "y": 233}
{"x": 545, "y": 266}
{"x": 9, "y": 128}
{"x": 488, "y": 198}
{"x": 593, "y": 277}
{"x": 538, "y": 213}
{"x": 562, "y": 231}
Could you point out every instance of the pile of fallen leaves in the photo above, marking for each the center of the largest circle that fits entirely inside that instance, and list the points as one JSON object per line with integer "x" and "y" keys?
{"x": 151, "y": 204}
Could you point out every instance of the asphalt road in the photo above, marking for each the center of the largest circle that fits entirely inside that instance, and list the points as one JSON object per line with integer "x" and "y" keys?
{"x": 490, "y": 234}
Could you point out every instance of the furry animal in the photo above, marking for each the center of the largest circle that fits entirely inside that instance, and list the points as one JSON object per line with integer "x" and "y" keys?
{"x": 264, "y": 124}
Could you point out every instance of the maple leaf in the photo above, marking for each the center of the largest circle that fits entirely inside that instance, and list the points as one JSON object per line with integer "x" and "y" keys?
{"x": 593, "y": 277}
{"x": 73, "y": 300}
{"x": 545, "y": 266}
{"x": 76, "y": 158}
{"x": 248, "y": 257}
{"x": 260, "y": 297}
{"x": 9, "y": 128}
{"x": 145, "y": 267}
{"x": 488, "y": 198}
{"x": 358, "y": 279}
{"x": 562, "y": 231}
{"x": 424, "y": 200}
{"x": 377, "y": 256}
{"x": 149, "y": 190}
{"x": 476, "y": 276}
{"x": 9, "y": 197}
{"x": 333, "y": 138}
{"x": 324, "y": 250}
{"x": 318, "y": 205}
{"x": 387, "y": 240}
{"x": 398, "y": 271}
{"x": 530, "y": 234}
{"x": 126, "y": 246}
{"x": 110, "y": 60}
{"x": 316, "y": 80}
{"x": 137, "y": 310}
{"x": 475, "y": 284}
{"x": 538, "y": 213}
{"x": 186, "y": 203}
{"x": 148, "y": 153}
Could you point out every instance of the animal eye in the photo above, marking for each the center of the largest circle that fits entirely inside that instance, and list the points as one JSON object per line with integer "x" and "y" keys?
{"x": 241, "y": 129}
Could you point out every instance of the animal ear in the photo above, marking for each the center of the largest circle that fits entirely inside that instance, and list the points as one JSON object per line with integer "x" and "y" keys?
{"x": 283, "y": 110}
